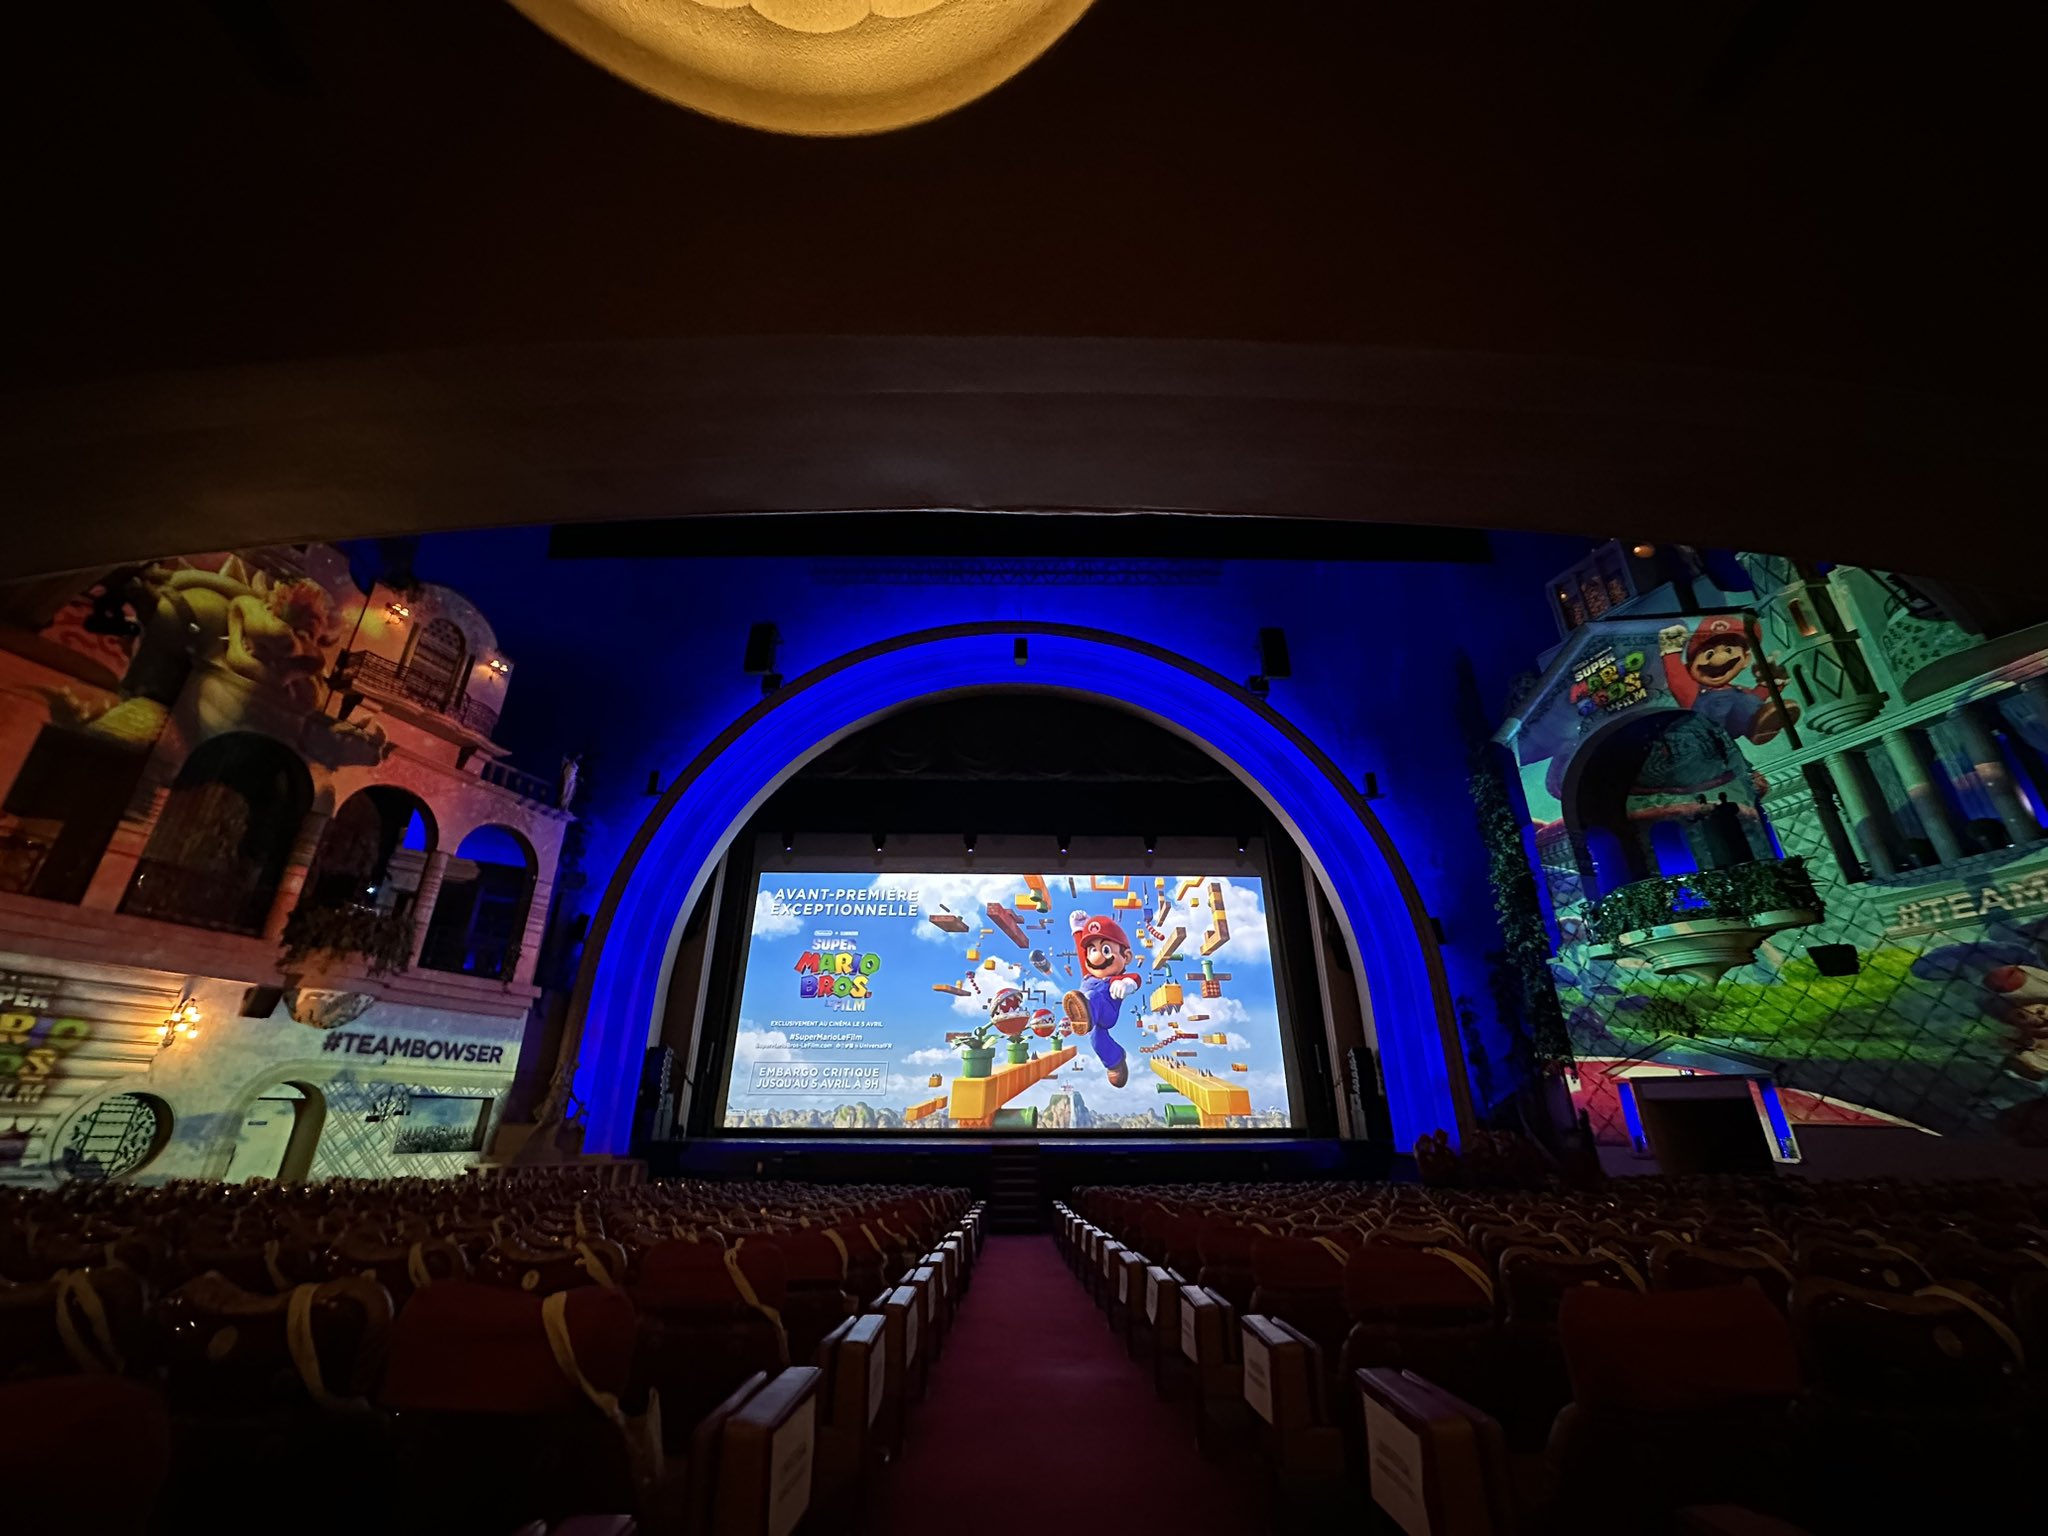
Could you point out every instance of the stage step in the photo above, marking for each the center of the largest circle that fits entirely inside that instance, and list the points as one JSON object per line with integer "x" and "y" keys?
{"x": 1014, "y": 1201}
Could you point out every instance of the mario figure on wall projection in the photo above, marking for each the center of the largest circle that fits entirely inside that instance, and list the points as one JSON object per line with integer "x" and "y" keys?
{"x": 1103, "y": 949}
{"x": 1703, "y": 678}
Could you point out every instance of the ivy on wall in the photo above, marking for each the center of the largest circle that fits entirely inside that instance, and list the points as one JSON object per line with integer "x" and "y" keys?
{"x": 1519, "y": 908}
{"x": 1733, "y": 893}
{"x": 383, "y": 939}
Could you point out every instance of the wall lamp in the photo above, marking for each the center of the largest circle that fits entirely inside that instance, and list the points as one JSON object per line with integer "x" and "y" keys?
{"x": 181, "y": 1023}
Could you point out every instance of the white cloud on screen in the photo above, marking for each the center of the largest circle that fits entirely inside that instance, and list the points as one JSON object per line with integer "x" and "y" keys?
{"x": 975, "y": 1004}
{"x": 965, "y": 896}
{"x": 769, "y": 923}
{"x": 1245, "y": 911}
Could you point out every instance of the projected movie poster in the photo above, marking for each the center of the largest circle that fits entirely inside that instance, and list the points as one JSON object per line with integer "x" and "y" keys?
{"x": 1025, "y": 1002}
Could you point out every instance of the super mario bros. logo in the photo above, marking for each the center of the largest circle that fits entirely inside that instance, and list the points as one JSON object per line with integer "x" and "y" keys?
{"x": 842, "y": 975}
{"x": 1602, "y": 682}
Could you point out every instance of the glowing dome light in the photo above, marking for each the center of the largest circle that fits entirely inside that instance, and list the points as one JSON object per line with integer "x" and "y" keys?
{"x": 824, "y": 67}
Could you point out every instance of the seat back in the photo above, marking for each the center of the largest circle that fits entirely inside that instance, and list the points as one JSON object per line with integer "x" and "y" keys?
{"x": 229, "y": 1351}
{"x": 90, "y": 1320}
{"x": 1691, "y": 1267}
{"x": 1666, "y": 1352}
{"x": 588, "y": 1260}
{"x": 1938, "y": 1350}
{"x": 1871, "y": 1267}
{"x": 1533, "y": 1281}
{"x": 1435, "y": 1462}
{"x": 1301, "y": 1281}
{"x": 473, "y": 1380}
{"x": 769, "y": 1457}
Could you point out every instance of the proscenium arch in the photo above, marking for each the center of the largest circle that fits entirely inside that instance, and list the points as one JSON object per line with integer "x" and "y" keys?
{"x": 623, "y": 983}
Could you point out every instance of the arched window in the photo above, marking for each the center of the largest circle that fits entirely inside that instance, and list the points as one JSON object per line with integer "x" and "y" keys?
{"x": 479, "y": 918}
{"x": 438, "y": 667}
{"x": 118, "y": 1136}
{"x": 226, "y": 832}
{"x": 373, "y": 852}
{"x": 61, "y": 811}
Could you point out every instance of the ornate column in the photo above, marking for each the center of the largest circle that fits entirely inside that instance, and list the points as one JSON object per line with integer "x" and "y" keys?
{"x": 304, "y": 848}
{"x": 1905, "y": 754}
{"x": 423, "y": 901}
{"x": 116, "y": 868}
{"x": 1858, "y": 790}
{"x": 535, "y": 930}
{"x": 1821, "y": 785}
{"x": 1993, "y": 777}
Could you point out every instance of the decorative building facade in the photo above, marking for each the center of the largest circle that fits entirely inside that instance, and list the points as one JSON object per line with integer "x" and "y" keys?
{"x": 1790, "y": 826}
{"x": 270, "y": 898}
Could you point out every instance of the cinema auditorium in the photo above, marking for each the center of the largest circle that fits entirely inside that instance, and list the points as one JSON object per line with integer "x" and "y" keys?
{"x": 1000, "y": 766}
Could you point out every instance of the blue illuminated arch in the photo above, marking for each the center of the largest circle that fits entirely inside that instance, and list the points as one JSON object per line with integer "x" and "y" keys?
{"x": 623, "y": 985}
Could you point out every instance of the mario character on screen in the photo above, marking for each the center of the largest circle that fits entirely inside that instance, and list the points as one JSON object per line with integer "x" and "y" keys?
{"x": 1104, "y": 950}
{"x": 1703, "y": 678}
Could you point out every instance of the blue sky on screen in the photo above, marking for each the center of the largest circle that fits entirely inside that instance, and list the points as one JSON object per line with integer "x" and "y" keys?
{"x": 887, "y": 1045}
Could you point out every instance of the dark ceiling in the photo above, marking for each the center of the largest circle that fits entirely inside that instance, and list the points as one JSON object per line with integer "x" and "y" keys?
{"x": 1625, "y": 225}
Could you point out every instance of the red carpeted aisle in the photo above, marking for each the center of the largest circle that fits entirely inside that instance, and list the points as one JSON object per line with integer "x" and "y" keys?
{"x": 1038, "y": 1421}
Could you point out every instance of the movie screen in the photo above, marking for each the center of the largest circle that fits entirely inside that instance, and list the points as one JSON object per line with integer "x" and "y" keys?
{"x": 1009, "y": 1002}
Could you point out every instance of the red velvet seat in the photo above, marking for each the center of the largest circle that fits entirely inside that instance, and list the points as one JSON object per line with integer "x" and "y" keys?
{"x": 1225, "y": 1248}
{"x": 710, "y": 1317}
{"x": 1301, "y": 1281}
{"x": 473, "y": 1383}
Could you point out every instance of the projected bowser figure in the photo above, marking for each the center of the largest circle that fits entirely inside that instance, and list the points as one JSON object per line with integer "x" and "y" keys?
{"x": 1092, "y": 1007}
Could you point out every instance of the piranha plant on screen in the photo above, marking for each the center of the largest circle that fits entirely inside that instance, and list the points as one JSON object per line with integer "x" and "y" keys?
{"x": 977, "y": 1051}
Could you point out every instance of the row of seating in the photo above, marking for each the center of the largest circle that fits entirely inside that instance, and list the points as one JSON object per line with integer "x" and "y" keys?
{"x": 1673, "y": 1341}
{"x": 701, "y": 1357}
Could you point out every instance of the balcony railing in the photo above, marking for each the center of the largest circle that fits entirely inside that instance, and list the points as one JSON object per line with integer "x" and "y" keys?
{"x": 380, "y": 674}
{"x": 1737, "y": 893}
{"x": 530, "y": 786}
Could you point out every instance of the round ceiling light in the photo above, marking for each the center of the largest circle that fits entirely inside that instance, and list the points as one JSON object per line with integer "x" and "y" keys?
{"x": 811, "y": 66}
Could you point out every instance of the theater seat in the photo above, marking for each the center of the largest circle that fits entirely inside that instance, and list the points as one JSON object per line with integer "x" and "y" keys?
{"x": 88, "y": 1320}
{"x": 1920, "y": 1401}
{"x": 474, "y": 1381}
{"x": 588, "y": 1260}
{"x": 1226, "y": 1253}
{"x": 1430, "y": 1312}
{"x": 1678, "y": 1397}
{"x": 853, "y": 1403}
{"x": 401, "y": 1267}
{"x": 1301, "y": 1281}
{"x": 1435, "y": 1462}
{"x": 816, "y": 1299}
{"x": 228, "y": 1351}
{"x": 1532, "y": 1383}
{"x": 1691, "y": 1267}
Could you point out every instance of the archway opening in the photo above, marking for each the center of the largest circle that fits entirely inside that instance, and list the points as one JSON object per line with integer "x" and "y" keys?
{"x": 1662, "y": 793}
{"x": 1163, "y": 838}
{"x": 219, "y": 848}
{"x": 479, "y": 919}
{"x": 616, "y": 1010}
{"x": 373, "y": 853}
{"x": 279, "y": 1134}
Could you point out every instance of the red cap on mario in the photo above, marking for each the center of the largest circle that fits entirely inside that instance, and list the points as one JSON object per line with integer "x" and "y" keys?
{"x": 1721, "y": 629}
{"x": 1098, "y": 928}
